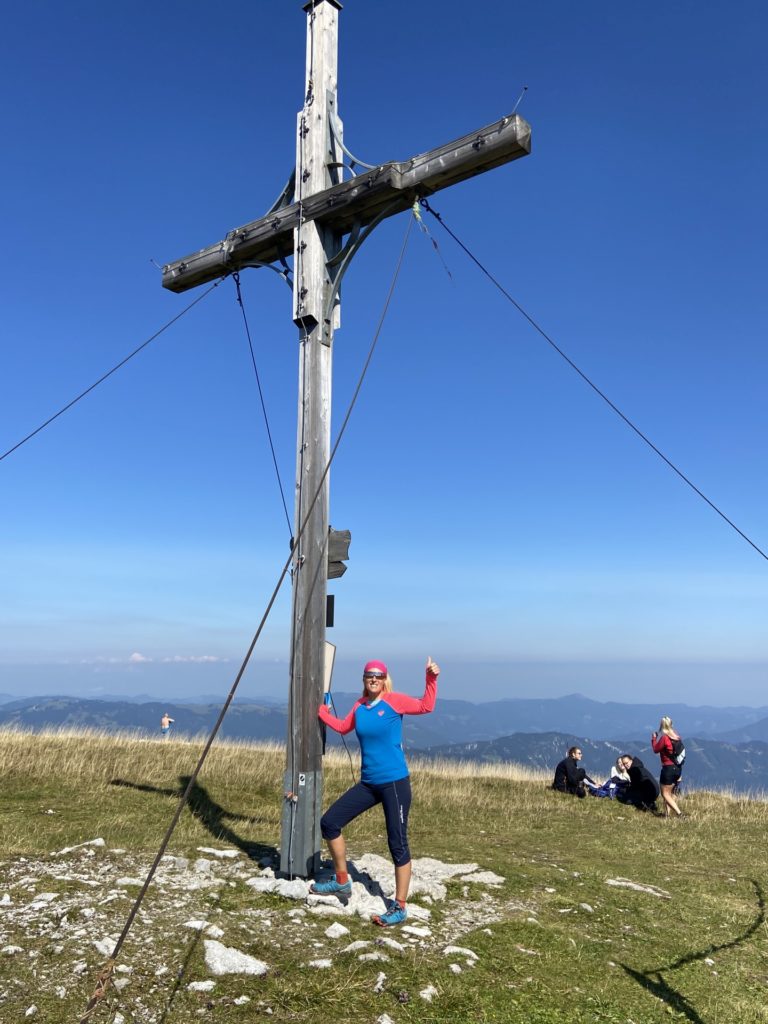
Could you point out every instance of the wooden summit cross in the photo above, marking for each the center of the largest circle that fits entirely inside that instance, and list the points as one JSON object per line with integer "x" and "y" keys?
{"x": 323, "y": 219}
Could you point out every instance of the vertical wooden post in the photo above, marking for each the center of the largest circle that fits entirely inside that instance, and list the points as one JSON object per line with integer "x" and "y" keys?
{"x": 313, "y": 247}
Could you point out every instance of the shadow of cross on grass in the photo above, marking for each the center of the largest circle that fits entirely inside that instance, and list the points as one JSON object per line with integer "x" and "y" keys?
{"x": 655, "y": 983}
{"x": 212, "y": 816}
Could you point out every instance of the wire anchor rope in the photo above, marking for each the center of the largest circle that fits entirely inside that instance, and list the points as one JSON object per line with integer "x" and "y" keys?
{"x": 239, "y": 295}
{"x": 550, "y": 341}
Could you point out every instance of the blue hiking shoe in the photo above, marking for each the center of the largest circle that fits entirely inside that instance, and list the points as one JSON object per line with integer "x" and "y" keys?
{"x": 332, "y": 888}
{"x": 394, "y": 914}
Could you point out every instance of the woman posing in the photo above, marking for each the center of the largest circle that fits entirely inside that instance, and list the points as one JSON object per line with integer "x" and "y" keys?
{"x": 661, "y": 742}
{"x": 377, "y": 718}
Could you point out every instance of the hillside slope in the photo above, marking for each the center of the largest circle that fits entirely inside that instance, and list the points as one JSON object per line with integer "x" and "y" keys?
{"x": 528, "y": 906}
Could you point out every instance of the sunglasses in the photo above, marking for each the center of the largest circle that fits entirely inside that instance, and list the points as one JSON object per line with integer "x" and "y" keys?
{"x": 373, "y": 675}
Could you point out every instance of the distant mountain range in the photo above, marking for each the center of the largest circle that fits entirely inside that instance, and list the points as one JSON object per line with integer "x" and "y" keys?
{"x": 462, "y": 721}
{"x": 727, "y": 747}
{"x": 453, "y": 721}
{"x": 243, "y": 721}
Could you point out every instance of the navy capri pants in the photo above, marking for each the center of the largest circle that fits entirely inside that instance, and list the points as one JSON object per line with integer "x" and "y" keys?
{"x": 395, "y": 798}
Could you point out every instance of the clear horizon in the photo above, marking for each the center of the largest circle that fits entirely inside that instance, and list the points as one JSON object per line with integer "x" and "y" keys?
{"x": 621, "y": 682}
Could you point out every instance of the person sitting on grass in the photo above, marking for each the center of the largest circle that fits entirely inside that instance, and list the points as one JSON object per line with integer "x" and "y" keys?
{"x": 614, "y": 785}
{"x": 569, "y": 777}
{"x": 643, "y": 790}
{"x": 618, "y": 772}
{"x": 377, "y": 718}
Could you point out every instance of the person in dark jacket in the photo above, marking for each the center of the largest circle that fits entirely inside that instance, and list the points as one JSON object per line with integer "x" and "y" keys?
{"x": 569, "y": 777}
{"x": 643, "y": 789}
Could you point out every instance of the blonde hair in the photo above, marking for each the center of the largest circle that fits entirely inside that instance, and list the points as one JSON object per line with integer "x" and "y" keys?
{"x": 386, "y": 686}
{"x": 665, "y": 726}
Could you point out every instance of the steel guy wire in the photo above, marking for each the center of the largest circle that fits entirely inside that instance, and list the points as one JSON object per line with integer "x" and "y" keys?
{"x": 113, "y": 370}
{"x": 587, "y": 380}
{"x": 236, "y": 279}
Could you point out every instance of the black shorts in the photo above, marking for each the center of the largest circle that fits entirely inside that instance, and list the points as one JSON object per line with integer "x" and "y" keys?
{"x": 670, "y": 774}
{"x": 395, "y": 798}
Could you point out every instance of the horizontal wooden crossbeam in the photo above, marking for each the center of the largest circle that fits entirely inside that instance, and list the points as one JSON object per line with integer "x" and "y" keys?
{"x": 389, "y": 189}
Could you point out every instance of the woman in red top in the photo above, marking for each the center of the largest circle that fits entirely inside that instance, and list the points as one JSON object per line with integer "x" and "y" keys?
{"x": 661, "y": 742}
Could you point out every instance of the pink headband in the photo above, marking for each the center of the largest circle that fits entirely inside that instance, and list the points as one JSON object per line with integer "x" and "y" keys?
{"x": 377, "y": 667}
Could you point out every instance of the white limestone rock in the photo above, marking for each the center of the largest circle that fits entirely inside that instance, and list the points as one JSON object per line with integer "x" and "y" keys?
{"x": 292, "y": 889}
{"x": 177, "y": 863}
{"x": 261, "y": 883}
{"x": 88, "y": 847}
{"x": 202, "y": 986}
{"x": 42, "y": 900}
{"x": 460, "y": 951}
{"x": 105, "y": 945}
{"x": 483, "y": 878}
{"x": 626, "y": 883}
{"x": 220, "y": 959}
{"x": 356, "y": 946}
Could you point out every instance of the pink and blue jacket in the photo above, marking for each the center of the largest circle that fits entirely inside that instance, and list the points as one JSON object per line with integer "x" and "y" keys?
{"x": 379, "y": 729}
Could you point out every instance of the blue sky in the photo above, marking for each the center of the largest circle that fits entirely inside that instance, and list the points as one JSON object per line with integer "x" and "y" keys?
{"x": 503, "y": 519}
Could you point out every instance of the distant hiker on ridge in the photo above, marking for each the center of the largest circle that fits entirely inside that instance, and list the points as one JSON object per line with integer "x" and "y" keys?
{"x": 569, "y": 777}
{"x": 377, "y": 718}
{"x": 165, "y": 725}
